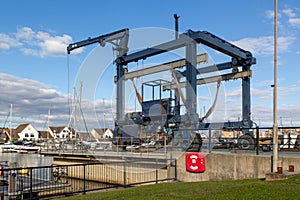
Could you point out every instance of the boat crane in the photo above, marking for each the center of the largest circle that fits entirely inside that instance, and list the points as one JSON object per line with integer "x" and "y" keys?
{"x": 162, "y": 115}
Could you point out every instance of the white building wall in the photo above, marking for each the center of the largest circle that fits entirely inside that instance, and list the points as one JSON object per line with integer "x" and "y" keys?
{"x": 108, "y": 134}
{"x": 29, "y": 133}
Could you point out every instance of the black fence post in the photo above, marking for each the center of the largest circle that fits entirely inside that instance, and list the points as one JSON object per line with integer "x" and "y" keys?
{"x": 271, "y": 163}
{"x": 31, "y": 183}
{"x": 175, "y": 161}
{"x": 257, "y": 140}
{"x": 156, "y": 172}
{"x": 84, "y": 180}
{"x": 289, "y": 144}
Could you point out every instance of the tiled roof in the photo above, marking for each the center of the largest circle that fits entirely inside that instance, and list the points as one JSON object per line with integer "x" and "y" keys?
{"x": 45, "y": 134}
{"x": 102, "y": 130}
{"x": 56, "y": 129}
{"x": 85, "y": 136}
{"x": 21, "y": 127}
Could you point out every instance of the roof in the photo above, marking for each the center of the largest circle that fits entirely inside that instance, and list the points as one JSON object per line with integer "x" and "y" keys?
{"x": 85, "y": 135}
{"x": 58, "y": 129}
{"x": 21, "y": 127}
{"x": 45, "y": 134}
{"x": 102, "y": 130}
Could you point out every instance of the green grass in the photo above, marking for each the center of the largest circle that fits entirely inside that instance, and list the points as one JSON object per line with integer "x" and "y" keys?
{"x": 240, "y": 189}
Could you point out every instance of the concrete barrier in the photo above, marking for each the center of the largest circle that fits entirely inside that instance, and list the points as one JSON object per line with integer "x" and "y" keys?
{"x": 220, "y": 166}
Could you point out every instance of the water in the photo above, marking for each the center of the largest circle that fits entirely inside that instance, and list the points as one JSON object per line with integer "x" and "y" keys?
{"x": 26, "y": 160}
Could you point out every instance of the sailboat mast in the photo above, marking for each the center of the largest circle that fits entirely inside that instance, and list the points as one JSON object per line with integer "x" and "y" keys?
{"x": 48, "y": 124}
{"x": 10, "y": 132}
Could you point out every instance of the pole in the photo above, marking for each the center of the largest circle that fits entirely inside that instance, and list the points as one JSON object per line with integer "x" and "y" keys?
{"x": 10, "y": 127}
{"x": 275, "y": 125}
{"x": 176, "y": 17}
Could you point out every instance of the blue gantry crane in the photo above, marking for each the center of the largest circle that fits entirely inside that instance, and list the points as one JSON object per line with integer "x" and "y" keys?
{"x": 162, "y": 114}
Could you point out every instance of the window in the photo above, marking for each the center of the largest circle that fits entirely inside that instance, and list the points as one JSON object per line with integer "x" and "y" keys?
{"x": 26, "y": 135}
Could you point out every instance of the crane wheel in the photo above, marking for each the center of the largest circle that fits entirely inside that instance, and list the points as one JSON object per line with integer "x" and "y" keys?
{"x": 196, "y": 144}
{"x": 188, "y": 141}
{"x": 246, "y": 142}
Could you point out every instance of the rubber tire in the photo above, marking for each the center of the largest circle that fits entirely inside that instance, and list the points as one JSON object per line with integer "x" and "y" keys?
{"x": 196, "y": 144}
{"x": 246, "y": 142}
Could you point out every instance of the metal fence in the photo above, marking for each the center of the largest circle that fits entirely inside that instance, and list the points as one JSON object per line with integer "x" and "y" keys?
{"x": 258, "y": 139}
{"x": 57, "y": 180}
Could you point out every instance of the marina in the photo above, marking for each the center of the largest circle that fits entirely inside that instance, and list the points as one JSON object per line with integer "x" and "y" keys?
{"x": 184, "y": 106}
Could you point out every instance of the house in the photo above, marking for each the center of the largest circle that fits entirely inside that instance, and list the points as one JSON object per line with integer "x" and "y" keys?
{"x": 27, "y": 132}
{"x": 87, "y": 136}
{"x": 45, "y": 135}
{"x": 7, "y": 134}
{"x": 102, "y": 133}
{"x": 61, "y": 132}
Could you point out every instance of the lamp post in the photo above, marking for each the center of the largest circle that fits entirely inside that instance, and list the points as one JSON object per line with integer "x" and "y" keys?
{"x": 275, "y": 124}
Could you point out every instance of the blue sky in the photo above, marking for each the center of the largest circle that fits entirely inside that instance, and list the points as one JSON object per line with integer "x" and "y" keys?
{"x": 33, "y": 61}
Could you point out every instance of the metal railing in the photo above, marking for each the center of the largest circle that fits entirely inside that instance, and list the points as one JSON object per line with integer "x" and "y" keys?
{"x": 213, "y": 140}
{"x": 58, "y": 180}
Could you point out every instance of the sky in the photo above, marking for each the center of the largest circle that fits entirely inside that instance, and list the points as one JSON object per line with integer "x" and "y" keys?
{"x": 38, "y": 77}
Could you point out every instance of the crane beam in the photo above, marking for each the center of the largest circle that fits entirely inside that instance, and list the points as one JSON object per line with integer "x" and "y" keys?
{"x": 163, "y": 67}
{"x": 212, "y": 79}
{"x": 117, "y": 35}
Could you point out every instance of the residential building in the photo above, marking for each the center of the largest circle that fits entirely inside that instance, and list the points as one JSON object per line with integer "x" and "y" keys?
{"x": 87, "y": 136}
{"x": 61, "y": 132}
{"x": 27, "y": 132}
{"x": 102, "y": 133}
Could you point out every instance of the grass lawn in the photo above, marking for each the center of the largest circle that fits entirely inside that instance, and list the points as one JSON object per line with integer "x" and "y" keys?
{"x": 240, "y": 189}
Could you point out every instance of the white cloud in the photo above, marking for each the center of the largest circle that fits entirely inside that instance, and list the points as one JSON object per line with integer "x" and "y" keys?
{"x": 294, "y": 22}
{"x": 4, "y": 46}
{"x": 264, "y": 45}
{"x": 235, "y": 93}
{"x": 53, "y": 45}
{"x": 25, "y": 33}
{"x": 287, "y": 16}
{"x": 29, "y": 52}
{"x": 203, "y": 98}
{"x": 32, "y": 99}
{"x": 33, "y": 43}
{"x": 6, "y": 42}
{"x": 270, "y": 14}
{"x": 289, "y": 12}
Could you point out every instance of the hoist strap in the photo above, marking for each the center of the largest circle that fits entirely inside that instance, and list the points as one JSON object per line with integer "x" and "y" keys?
{"x": 178, "y": 86}
{"x": 138, "y": 96}
{"x": 210, "y": 110}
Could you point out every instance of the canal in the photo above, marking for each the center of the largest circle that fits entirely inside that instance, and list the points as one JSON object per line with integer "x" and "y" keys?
{"x": 26, "y": 160}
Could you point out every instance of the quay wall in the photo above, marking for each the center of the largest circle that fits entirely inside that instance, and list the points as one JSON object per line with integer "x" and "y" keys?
{"x": 221, "y": 166}
{"x": 112, "y": 173}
